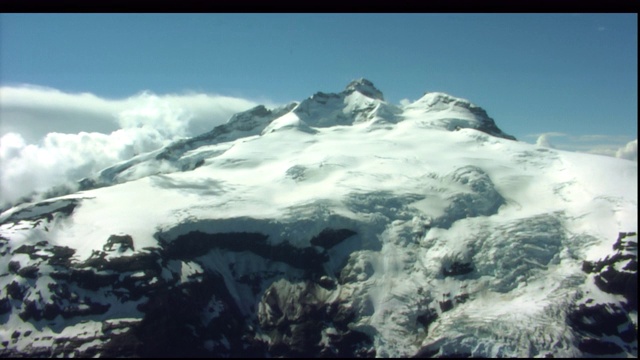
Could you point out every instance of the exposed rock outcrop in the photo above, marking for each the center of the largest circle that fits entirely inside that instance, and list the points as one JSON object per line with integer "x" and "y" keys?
{"x": 187, "y": 314}
{"x": 598, "y": 323}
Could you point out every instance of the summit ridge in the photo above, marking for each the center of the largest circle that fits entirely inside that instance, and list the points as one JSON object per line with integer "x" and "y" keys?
{"x": 360, "y": 103}
{"x": 365, "y": 87}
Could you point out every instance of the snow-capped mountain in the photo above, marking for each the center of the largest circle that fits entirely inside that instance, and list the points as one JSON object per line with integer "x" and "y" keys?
{"x": 338, "y": 226}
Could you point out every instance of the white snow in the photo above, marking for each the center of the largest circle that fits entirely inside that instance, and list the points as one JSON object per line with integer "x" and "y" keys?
{"x": 311, "y": 167}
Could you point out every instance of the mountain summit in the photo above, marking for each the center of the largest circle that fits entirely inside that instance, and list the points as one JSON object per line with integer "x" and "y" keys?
{"x": 339, "y": 226}
{"x": 365, "y": 87}
{"x": 361, "y": 103}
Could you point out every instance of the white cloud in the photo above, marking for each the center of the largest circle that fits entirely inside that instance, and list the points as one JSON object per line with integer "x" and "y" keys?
{"x": 63, "y": 159}
{"x": 49, "y": 138}
{"x": 34, "y": 111}
{"x": 10, "y": 145}
{"x": 629, "y": 151}
{"x": 543, "y": 140}
{"x": 405, "y": 102}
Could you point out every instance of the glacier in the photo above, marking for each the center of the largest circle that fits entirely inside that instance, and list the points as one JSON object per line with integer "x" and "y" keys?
{"x": 341, "y": 225}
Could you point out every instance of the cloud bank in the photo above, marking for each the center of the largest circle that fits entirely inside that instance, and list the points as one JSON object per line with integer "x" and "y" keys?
{"x": 34, "y": 111}
{"x": 49, "y": 138}
{"x": 609, "y": 145}
{"x": 629, "y": 151}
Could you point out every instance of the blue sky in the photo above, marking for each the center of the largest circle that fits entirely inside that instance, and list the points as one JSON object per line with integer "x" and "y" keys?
{"x": 568, "y": 75}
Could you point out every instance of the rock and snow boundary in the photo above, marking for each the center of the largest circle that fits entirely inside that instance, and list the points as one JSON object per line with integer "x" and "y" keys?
{"x": 338, "y": 226}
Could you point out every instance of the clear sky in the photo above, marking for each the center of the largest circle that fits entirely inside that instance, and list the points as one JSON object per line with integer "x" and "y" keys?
{"x": 568, "y": 75}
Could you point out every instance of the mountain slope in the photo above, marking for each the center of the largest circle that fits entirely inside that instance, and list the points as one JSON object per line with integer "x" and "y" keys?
{"x": 339, "y": 226}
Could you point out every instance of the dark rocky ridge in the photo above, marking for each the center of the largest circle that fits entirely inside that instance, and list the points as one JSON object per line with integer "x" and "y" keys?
{"x": 595, "y": 322}
{"x": 199, "y": 315}
{"x": 365, "y": 87}
{"x": 194, "y": 318}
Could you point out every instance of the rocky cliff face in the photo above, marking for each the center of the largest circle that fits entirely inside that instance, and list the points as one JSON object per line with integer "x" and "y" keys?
{"x": 234, "y": 294}
{"x": 601, "y": 325}
{"x": 173, "y": 300}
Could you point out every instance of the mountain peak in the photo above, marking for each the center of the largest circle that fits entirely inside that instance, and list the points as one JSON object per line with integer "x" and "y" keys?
{"x": 455, "y": 113}
{"x": 365, "y": 87}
